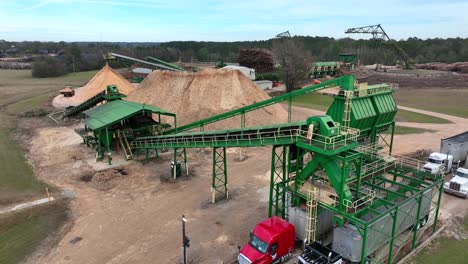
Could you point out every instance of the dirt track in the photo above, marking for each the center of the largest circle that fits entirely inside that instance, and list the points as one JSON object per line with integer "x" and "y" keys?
{"x": 410, "y": 143}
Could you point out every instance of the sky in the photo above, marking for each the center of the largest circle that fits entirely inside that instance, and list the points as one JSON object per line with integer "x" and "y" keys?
{"x": 225, "y": 20}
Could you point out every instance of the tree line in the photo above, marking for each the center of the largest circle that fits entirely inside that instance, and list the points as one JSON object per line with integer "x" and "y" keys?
{"x": 83, "y": 56}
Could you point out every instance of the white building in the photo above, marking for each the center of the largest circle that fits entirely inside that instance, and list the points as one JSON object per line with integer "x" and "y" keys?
{"x": 250, "y": 73}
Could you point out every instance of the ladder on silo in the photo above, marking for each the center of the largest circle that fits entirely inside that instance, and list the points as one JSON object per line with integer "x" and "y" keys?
{"x": 347, "y": 108}
{"x": 124, "y": 144}
{"x": 311, "y": 227}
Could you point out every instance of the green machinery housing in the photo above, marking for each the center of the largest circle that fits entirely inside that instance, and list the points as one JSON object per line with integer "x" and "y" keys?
{"x": 320, "y": 69}
{"x": 347, "y": 151}
{"x": 116, "y": 122}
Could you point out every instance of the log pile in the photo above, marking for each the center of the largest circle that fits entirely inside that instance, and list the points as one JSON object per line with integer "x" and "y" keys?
{"x": 453, "y": 67}
{"x": 259, "y": 59}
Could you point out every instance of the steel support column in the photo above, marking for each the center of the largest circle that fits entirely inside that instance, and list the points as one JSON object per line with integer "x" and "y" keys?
{"x": 278, "y": 176}
{"x": 180, "y": 157}
{"x": 392, "y": 240}
{"x": 436, "y": 219}
{"x": 364, "y": 244}
{"x": 219, "y": 183}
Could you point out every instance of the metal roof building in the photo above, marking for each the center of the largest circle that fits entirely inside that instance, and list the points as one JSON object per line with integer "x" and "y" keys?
{"x": 114, "y": 112}
{"x": 114, "y": 122}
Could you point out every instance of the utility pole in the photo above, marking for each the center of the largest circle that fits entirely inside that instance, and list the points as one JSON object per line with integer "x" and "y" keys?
{"x": 73, "y": 61}
{"x": 185, "y": 239}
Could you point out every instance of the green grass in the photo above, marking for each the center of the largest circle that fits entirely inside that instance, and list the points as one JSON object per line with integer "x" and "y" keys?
{"x": 17, "y": 85}
{"x": 404, "y": 130}
{"x": 17, "y": 181}
{"x": 408, "y": 116}
{"x": 29, "y": 103}
{"x": 313, "y": 101}
{"x": 23, "y": 232}
{"x": 451, "y": 102}
{"x": 445, "y": 250}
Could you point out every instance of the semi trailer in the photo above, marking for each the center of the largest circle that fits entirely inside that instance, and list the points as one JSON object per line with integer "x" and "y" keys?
{"x": 348, "y": 241}
{"x": 452, "y": 155}
{"x": 439, "y": 163}
{"x": 273, "y": 240}
{"x": 458, "y": 185}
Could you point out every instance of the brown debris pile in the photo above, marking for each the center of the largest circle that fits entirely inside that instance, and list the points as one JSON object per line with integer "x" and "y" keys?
{"x": 194, "y": 96}
{"x": 106, "y": 76}
{"x": 259, "y": 59}
{"x": 453, "y": 67}
{"x": 106, "y": 179}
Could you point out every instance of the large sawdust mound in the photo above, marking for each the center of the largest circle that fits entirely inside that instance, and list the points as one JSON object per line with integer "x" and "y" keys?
{"x": 194, "y": 96}
{"x": 106, "y": 76}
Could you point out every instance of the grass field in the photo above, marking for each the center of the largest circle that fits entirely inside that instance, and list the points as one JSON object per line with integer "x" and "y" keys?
{"x": 445, "y": 250}
{"x": 322, "y": 102}
{"x": 21, "y": 234}
{"x": 452, "y": 102}
{"x": 18, "y": 84}
{"x": 404, "y": 130}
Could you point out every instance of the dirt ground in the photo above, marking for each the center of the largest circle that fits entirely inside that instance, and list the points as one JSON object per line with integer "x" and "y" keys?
{"x": 135, "y": 218}
{"x": 418, "y": 79}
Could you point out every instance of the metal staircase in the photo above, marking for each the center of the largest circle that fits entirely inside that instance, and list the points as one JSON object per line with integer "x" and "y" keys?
{"x": 347, "y": 108}
{"x": 124, "y": 144}
{"x": 311, "y": 226}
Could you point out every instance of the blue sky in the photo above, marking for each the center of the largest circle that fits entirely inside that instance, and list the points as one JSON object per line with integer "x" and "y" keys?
{"x": 223, "y": 20}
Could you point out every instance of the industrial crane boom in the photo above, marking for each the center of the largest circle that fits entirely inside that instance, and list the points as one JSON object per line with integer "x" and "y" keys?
{"x": 379, "y": 33}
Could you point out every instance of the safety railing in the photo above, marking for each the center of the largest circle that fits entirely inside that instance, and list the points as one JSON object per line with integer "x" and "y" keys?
{"x": 251, "y": 138}
{"x": 126, "y": 132}
{"x": 367, "y": 198}
{"x": 346, "y": 136}
{"x": 373, "y": 150}
{"x": 410, "y": 162}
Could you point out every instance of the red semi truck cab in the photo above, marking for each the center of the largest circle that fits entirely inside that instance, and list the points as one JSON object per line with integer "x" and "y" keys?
{"x": 272, "y": 240}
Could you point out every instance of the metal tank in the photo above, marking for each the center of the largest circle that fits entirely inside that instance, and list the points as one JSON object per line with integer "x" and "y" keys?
{"x": 347, "y": 240}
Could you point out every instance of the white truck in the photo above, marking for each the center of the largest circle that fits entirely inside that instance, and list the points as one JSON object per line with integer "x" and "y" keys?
{"x": 458, "y": 185}
{"x": 439, "y": 163}
{"x": 453, "y": 154}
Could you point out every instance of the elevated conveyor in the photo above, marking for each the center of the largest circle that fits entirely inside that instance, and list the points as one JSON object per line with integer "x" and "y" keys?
{"x": 346, "y": 83}
{"x": 244, "y": 137}
{"x": 149, "y": 64}
{"x": 111, "y": 93}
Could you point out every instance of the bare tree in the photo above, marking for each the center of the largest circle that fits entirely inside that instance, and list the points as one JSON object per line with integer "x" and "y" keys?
{"x": 294, "y": 61}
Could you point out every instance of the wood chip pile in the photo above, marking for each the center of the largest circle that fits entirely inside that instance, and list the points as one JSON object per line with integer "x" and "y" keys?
{"x": 194, "y": 96}
{"x": 106, "y": 76}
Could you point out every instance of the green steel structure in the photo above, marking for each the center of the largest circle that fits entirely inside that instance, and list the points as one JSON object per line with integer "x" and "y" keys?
{"x": 156, "y": 60}
{"x": 320, "y": 69}
{"x": 348, "y": 60}
{"x": 121, "y": 121}
{"x": 110, "y": 94}
{"x": 128, "y": 61}
{"x": 388, "y": 203}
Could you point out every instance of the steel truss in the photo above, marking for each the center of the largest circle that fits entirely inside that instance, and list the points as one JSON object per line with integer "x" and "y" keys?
{"x": 277, "y": 180}
{"x": 180, "y": 157}
{"x": 403, "y": 184}
{"x": 219, "y": 186}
